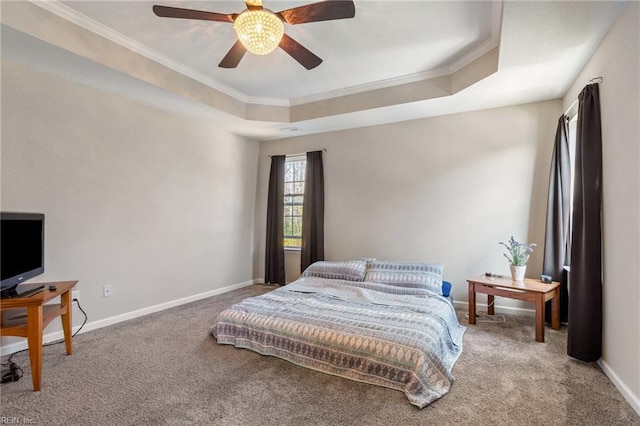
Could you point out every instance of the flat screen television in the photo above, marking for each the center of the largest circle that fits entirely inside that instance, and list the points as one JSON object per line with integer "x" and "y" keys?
{"x": 21, "y": 249}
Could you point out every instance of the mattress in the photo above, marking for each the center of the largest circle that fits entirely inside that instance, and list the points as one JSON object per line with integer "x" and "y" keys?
{"x": 406, "y": 339}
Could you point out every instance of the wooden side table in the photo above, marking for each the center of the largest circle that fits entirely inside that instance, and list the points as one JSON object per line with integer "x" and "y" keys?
{"x": 28, "y": 316}
{"x": 529, "y": 290}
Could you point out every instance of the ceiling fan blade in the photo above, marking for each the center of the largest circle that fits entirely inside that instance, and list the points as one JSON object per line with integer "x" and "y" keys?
{"x": 176, "y": 12}
{"x": 253, "y": 4}
{"x": 233, "y": 57}
{"x": 322, "y": 11}
{"x": 300, "y": 53}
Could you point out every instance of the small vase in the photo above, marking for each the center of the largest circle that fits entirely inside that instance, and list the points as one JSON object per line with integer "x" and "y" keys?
{"x": 517, "y": 272}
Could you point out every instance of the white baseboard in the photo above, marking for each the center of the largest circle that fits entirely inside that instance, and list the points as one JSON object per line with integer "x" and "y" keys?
{"x": 500, "y": 308}
{"x": 58, "y": 335}
{"x": 629, "y": 396}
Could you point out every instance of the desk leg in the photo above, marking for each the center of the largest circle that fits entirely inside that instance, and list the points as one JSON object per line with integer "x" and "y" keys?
{"x": 540, "y": 318}
{"x": 555, "y": 310}
{"x": 472, "y": 303}
{"x": 34, "y": 340}
{"x": 65, "y": 298}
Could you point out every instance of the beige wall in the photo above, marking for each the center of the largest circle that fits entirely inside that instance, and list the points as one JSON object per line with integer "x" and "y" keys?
{"x": 442, "y": 189}
{"x": 157, "y": 205}
{"x": 617, "y": 62}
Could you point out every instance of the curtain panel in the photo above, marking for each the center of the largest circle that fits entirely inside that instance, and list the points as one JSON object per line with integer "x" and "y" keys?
{"x": 557, "y": 233}
{"x": 274, "y": 251}
{"x": 313, "y": 211}
{"x": 584, "y": 338}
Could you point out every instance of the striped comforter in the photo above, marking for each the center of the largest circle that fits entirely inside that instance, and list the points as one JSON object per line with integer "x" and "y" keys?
{"x": 403, "y": 339}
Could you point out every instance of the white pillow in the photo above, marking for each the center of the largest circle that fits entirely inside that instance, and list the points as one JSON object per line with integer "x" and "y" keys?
{"x": 350, "y": 270}
{"x": 407, "y": 274}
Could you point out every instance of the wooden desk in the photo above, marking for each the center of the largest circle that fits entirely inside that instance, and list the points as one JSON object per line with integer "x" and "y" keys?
{"x": 529, "y": 290}
{"x": 28, "y": 316}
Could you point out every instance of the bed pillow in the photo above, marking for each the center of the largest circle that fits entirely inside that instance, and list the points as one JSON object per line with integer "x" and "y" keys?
{"x": 407, "y": 274}
{"x": 350, "y": 270}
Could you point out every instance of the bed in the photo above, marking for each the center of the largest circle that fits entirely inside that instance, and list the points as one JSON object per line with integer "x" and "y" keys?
{"x": 383, "y": 323}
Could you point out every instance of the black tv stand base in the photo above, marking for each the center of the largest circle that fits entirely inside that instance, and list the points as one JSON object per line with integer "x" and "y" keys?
{"x": 21, "y": 290}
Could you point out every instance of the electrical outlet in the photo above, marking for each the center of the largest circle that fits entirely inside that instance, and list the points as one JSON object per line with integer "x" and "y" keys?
{"x": 107, "y": 290}
{"x": 75, "y": 294}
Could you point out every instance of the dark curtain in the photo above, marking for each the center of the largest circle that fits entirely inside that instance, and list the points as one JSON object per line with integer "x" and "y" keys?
{"x": 313, "y": 211}
{"x": 557, "y": 236}
{"x": 274, "y": 252}
{"x": 584, "y": 338}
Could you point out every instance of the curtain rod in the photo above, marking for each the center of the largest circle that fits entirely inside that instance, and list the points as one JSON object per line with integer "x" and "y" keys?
{"x": 300, "y": 153}
{"x": 575, "y": 103}
{"x": 571, "y": 108}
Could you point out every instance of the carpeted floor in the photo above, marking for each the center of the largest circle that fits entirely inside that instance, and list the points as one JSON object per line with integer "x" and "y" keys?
{"x": 165, "y": 369}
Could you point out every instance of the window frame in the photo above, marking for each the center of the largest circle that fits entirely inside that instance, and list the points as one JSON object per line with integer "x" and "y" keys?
{"x": 289, "y": 213}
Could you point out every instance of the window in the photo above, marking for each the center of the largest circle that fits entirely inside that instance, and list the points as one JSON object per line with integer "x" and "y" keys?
{"x": 294, "y": 172}
{"x": 571, "y": 139}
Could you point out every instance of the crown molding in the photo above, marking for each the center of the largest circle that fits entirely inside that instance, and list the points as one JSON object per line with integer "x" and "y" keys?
{"x": 402, "y": 80}
{"x": 483, "y": 48}
{"x": 65, "y": 12}
{"x": 71, "y": 15}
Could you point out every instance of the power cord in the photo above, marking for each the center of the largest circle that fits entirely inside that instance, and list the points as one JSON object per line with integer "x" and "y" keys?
{"x": 482, "y": 317}
{"x": 11, "y": 372}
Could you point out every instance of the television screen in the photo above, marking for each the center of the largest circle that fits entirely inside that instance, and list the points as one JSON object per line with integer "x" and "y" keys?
{"x": 21, "y": 247}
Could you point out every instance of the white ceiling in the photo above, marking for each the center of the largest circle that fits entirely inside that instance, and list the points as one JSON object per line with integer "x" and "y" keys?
{"x": 374, "y": 65}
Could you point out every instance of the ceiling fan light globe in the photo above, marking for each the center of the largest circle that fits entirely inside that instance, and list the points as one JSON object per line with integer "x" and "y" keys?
{"x": 259, "y": 31}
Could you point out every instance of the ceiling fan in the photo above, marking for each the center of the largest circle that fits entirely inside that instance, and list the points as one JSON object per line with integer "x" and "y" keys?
{"x": 261, "y": 31}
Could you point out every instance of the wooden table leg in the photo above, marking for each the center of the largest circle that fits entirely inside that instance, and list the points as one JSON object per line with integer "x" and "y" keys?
{"x": 472, "y": 303}
{"x": 555, "y": 310}
{"x": 540, "y": 318}
{"x": 490, "y": 305}
{"x": 34, "y": 340}
{"x": 65, "y": 298}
